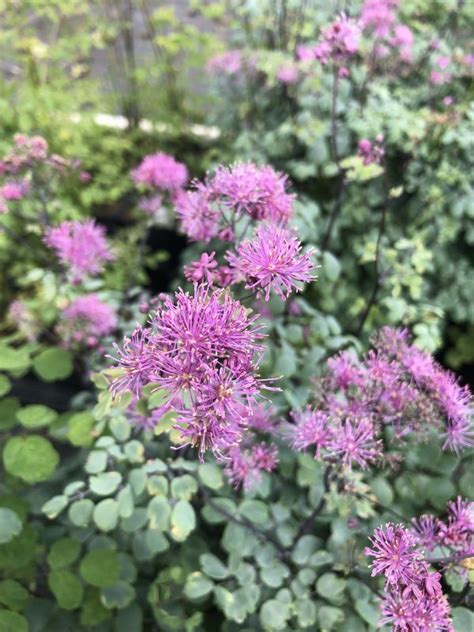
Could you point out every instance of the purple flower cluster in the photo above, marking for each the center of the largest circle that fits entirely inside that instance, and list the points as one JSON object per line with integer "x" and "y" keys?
{"x": 371, "y": 152}
{"x": 395, "y": 385}
{"x": 380, "y": 18}
{"x": 245, "y": 465}
{"x": 244, "y": 189}
{"x": 86, "y": 320}
{"x": 413, "y": 600}
{"x": 454, "y": 535}
{"x": 272, "y": 261}
{"x": 80, "y": 246}
{"x": 339, "y": 41}
{"x": 162, "y": 172}
{"x": 203, "y": 350}
{"x": 225, "y": 206}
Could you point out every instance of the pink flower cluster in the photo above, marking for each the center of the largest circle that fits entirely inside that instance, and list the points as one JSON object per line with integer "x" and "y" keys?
{"x": 224, "y": 207}
{"x": 453, "y": 536}
{"x": 395, "y": 386}
{"x": 339, "y": 42}
{"x": 86, "y": 320}
{"x": 379, "y": 17}
{"x": 371, "y": 152}
{"x": 440, "y": 75}
{"x": 413, "y": 600}
{"x": 80, "y": 246}
{"x": 272, "y": 261}
{"x": 204, "y": 351}
{"x": 162, "y": 172}
{"x": 245, "y": 465}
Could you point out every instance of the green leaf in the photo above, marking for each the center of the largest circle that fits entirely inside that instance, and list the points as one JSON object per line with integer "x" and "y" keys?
{"x": 210, "y": 475}
{"x": 36, "y": 416}
{"x": 331, "y": 266}
{"x": 100, "y": 567}
{"x": 93, "y": 612}
{"x": 197, "y": 586}
{"x": 10, "y": 525}
{"x": 12, "y": 622}
{"x": 125, "y": 502}
{"x": 120, "y": 428}
{"x": 63, "y": 553}
{"x": 213, "y": 567}
{"x": 254, "y": 510}
{"x": 80, "y": 512}
{"x": 53, "y": 507}
{"x": 8, "y": 410}
{"x": 463, "y": 619}
{"x": 136, "y": 521}
{"x": 13, "y": 595}
{"x": 67, "y": 589}
{"x": 330, "y": 586}
{"x": 156, "y": 541}
{"x": 329, "y": 617}
{"x": 305, "y": 612}
{"x": 5, "y": 385}
{"x": 304, "y": 549}
{"x": 274, "y": 574}
{"x": 274, "y": 614}
{"x": 183, "y": 520}
{"x": 159, "y": 513}
{"x": 130, "y": 619}
{"x": 53, "y": 364}
{"x": 368, "y": 612}
{"x": 184, "y": 487}
{"x": 105, "y": 484}
{"x": 106, "y": 514}
{"x": 120, "y": 595}
{"x": 96, "y": 462}
{"x": 134, "y": 451}
{"x": 158, "y": 398}
{"x": 13, "y": 360}
{"x": 33, "y": 459}
{"x": 80, "y": 427}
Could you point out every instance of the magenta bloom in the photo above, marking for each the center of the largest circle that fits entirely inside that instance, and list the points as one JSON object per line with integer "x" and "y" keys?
{"x": 86, "y": 320}
{"x": 343, "y": 38}
{"x": 81, "y": 246}
{"x": 395, "y": 554}
{"x": 161, "y": 171}
{"x": 245, "y": 465}
{"x": 203, "y": 270}
{"x": 247, "y": 189}
{"x": 272, "y": 261}
{"x": 345, "y": 370}
{"x": 426, "y": 529}
{"x": 287, "y": 74}
{"x": 311, "y": 428}
{"x": 204, "y": 350}
{"x": 14, "y": 190}
{"x": 379, "y": 15}
{"x": 199, "y": 218}
{"x": 229, "y": 62}
{"x": 355, "y": 442}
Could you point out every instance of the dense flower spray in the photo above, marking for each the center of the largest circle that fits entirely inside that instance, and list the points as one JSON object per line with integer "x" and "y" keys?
{"x": 86, "y": 320}
{"x": 396, "y": 386}
{"x": 162, "y": 172}
{"x": 413, "y": 599}
{"x": 80, "y": 246}
{"x": 203, "y": 350}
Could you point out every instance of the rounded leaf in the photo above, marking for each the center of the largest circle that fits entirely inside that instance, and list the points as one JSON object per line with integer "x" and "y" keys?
{"x": 12, "y": 622}
{"x": 100, "y": 567}
{"x": 197, "y": 586}
{"x": 53, "y": 364}
{"x": 10, "y": 525}
{"x": 33, "y": 459}
{"x": 105, "y": 484}
{"x": 80, "y": 512}
{"x": 63, "y": 553}
{"x": 67, "y": 589}
{"x": 106, "y": 514}
{"x": 36, "y": 416}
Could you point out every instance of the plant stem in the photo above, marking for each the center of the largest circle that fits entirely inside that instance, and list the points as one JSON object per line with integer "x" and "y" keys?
{"x": 308, "y": 523}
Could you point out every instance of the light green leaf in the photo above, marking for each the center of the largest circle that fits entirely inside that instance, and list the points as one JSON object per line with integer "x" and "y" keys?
{"x": 80, "y": 427}
{"x": 96, "y": 462}
{"x": 197, "y": 586}
{"x": 36, "y": 416}
{"x": 105, "y": 484}
{"x": 106, "y": 514}
{"x": 210, "y": 475}
{"x": 274, "y": 615}
{"x": 183, "y": 520}
{"x": 120, "y": 595}
{"x": 80, "y": 512}
{"x": 53, "y": 364}
{"x": 213, "y": 567}
{"x": 159, "y": 513}
{"x": 254, "y": 510}
{"x": 53, "y": 507}
{"x": 33, "y": 458}
{"x": 184, "y": 487}
{"x": 10, "y": 525}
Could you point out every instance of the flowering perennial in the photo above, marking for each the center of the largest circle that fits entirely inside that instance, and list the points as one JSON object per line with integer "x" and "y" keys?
{"x": 413, "y": 599}
{"x": 272, "y": 260}
{"x": 203, "y": 350}
{"x": 396, "y": 385}
{"x": 86, "y": 320}
{"x": 80, "y": 246}
{"x": 162, "y": 172}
